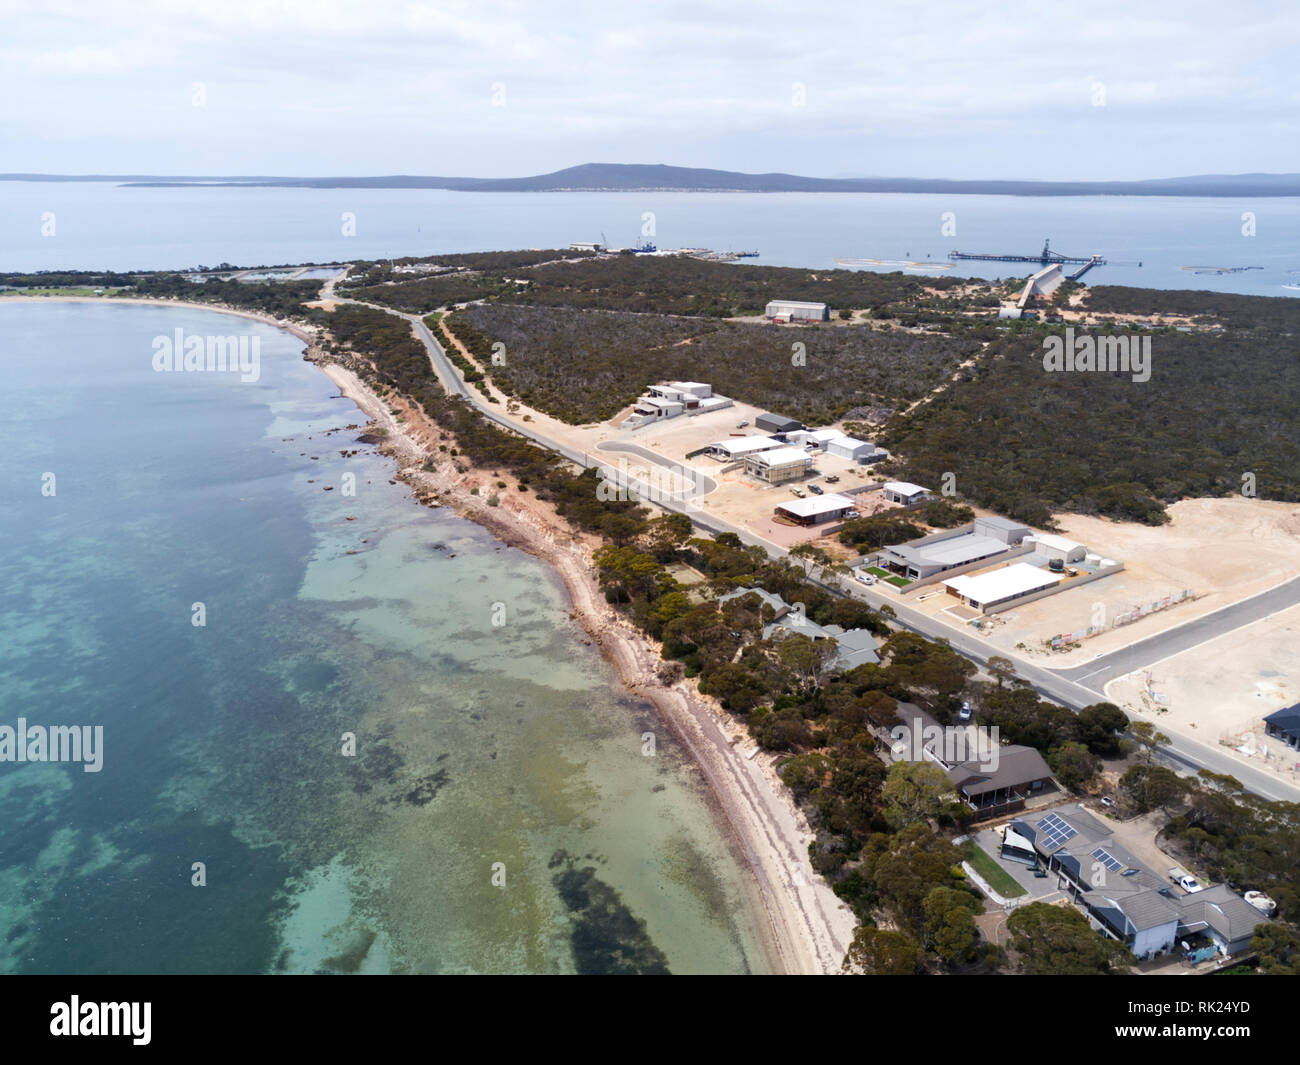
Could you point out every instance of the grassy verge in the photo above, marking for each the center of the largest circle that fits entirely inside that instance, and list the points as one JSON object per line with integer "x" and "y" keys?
{"x": 994, "y": 875}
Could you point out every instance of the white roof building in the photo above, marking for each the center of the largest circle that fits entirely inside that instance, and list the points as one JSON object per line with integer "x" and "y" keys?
{"x": 738, "y": 447}
{"x": 904, "y": 491}
{"x": 1057, "y": 547}
{"x": 1002, "y": 585}
{"x": 848, "y": 447}
{"x": 782, "y": 456}
{"x": 815, "y": 510}
{"x": 815, "y": 506}
{"x": 797, "y": 309}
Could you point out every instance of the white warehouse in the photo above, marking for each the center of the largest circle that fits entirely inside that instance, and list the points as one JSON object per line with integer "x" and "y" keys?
{"x": 794, "y": 310}
{"x": 739, "y": 447}
{"x": 836, "y": 443}
{"x": 1058, "y": 547}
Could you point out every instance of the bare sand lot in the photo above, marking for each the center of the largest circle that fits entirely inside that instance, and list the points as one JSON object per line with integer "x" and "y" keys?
{"x": 1218, "y": 692}
{"x": 1222, "y": 550}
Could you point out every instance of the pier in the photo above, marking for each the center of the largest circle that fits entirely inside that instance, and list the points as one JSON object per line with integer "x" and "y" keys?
{"x": 1046, "y": 258}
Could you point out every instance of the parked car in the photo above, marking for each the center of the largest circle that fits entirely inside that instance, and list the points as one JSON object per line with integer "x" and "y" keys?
{"x": 831, "y": 478}
{"x": 865, "y": 577}
{"x": 1185, "y": 880}
{"x": 799, "y": 492}
{"x": 741, "y": 425}
{"x": 964, "y": 714}
{"x": 1107, "y": 801}
{"x": 815, "y": 489}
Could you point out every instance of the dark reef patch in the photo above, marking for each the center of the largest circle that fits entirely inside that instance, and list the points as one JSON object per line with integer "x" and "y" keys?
{"x": 607, "y": 938}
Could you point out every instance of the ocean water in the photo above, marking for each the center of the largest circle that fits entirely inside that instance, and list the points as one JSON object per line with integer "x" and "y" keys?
{"x": 96, "y": 225}
{"x": 499, "y": 814}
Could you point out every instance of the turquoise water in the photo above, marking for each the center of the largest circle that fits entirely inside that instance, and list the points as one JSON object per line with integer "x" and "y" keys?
{"x": 105, "y": 226}
{"x": 482, "y": 750}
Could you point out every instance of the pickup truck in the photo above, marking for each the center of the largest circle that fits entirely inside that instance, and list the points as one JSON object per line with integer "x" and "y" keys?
{"x": 1185, "y": 880}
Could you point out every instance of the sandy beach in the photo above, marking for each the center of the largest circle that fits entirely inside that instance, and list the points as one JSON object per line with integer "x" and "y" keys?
{"x": 806, "y": 929}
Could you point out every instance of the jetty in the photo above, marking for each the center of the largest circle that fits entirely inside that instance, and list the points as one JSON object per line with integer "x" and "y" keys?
{"x": 1045, "y": 258}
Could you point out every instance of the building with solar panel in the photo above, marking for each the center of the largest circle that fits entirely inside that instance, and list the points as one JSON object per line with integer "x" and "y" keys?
{"x": 1121, "y": 897}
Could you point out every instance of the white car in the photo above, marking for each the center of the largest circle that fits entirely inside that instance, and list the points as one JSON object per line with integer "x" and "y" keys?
{"x": 1189, "y": 884}
{"x": 865, "y": 577}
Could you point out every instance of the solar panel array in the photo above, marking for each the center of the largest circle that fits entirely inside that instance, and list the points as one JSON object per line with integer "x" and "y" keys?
{"x": 1107, "y": 859}
{"x": 1055, "y": 831}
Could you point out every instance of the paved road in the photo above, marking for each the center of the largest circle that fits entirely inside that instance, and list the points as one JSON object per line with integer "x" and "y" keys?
{"x": 1097, "y": 673}
{"x": 704, "y": 484}
{"x": 1059, "y": 685}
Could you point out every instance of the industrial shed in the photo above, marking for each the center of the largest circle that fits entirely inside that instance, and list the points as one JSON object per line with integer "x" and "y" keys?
{"x": 1050, "y": 546}
{"x": 776, "y": 423}
{"x": 921, "y": 559}
{"x": 1001, "y": 586}
{"x": 848, "y": 447}
{"x": 904, "y": 492}
{"x": 739, "y": 447}
{"x": 794, "y": 310}
{"x": 816, "y": 510}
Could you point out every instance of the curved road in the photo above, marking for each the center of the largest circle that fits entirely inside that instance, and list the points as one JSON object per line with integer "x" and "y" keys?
{"x": 1064, "y": 686}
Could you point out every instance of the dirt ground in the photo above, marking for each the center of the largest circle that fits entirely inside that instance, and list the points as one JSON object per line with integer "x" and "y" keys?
{"x": 1222, "y": 550}
{"x": 1218, "y": 692}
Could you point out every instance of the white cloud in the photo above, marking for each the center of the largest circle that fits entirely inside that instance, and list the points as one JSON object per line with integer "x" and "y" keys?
{"x": 328, "y": 86}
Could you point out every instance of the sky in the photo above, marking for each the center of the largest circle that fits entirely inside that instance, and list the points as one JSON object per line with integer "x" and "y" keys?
{"x": 1107, "y": 90}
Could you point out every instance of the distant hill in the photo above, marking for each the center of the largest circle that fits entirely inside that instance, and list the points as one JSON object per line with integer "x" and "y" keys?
{"x": 636, "y": 177}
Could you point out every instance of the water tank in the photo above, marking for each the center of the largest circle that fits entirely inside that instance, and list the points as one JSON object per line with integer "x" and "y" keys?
{"x": 1056, "y": 565}
{"x": 1260, "y": 901}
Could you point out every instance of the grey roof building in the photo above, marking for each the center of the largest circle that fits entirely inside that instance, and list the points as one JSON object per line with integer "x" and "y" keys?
{"x": 854, "y": 647}
{"x": 1284, "y": 725}
{"x": 1221, "y": 914}
{"x": 1121, "y": 896}
{"x": 1020, "y": 772}
{"x": 982, "y": 538}
{"x": 776, "y": 423}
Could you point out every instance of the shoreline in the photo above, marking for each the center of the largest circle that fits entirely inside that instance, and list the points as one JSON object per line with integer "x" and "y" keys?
{"x": 802, "y": 925}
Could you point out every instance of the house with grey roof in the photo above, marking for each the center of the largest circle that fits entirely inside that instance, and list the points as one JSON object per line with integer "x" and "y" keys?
{"x": 1284, "y": 725}
{"x": 993, "y": 779}
{"x": 1222, "y": 915}
{"x": 1019, "y": 773}
{"x": 984, "y": 538}
{"x": 853, "y": 647}
{"x": 1120, "y": 896}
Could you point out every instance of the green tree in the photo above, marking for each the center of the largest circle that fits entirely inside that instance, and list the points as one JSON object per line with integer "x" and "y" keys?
{"x": 666, "y": 536}
{"x": 914, "y": 791}
{"x": 1153, "y": 787}
{"x": 1057, "y": 941}
{"x": 1003, "y": 670}
{"x": 1278, "y": 946}
{"x": 1099, "y": 727}
{"x": 1148, "y": 738}
{"x": 1074, "y": 765}
{"x": 882, "y": 952}
{"x": 950, "y": 930}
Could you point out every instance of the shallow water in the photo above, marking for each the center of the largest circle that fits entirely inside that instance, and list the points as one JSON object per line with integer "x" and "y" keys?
{"x": 499, "y": 814}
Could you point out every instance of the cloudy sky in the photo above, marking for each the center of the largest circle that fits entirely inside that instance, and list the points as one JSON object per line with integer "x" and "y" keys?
{"x": 946, "y": 88}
